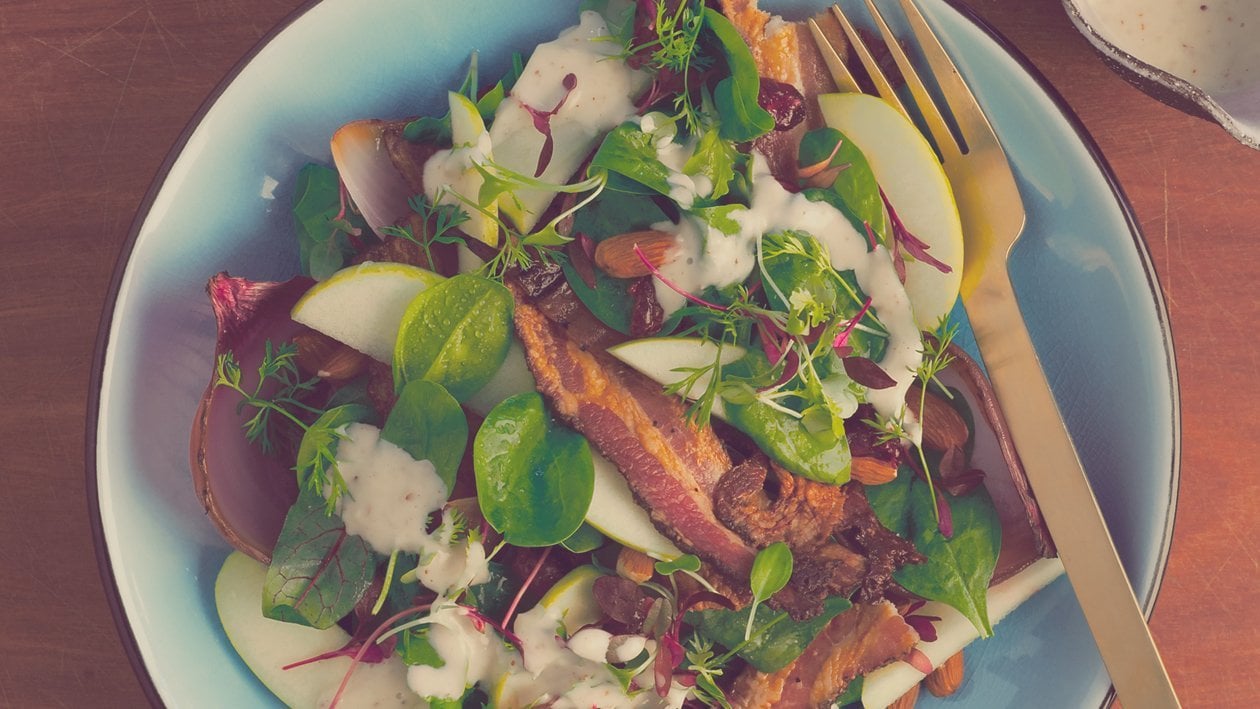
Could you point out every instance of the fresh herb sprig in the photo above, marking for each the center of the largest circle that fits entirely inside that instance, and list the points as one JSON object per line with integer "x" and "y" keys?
{"x": 436, "y": 222}
{"x": 279, "y": 367}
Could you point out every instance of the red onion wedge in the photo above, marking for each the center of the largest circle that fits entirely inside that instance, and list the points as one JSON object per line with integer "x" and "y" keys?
{"x": 361, "y": 151}
{"x": 245, "y": 492}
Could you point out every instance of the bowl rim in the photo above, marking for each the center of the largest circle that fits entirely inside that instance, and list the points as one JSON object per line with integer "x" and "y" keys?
{"x": 1158, "y": 83}
{"x": 1147, "y": 595}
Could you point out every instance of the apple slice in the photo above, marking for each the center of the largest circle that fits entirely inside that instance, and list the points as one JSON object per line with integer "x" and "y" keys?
{"x": 362, "y": 306}
{"x": 660, "y": 358}
{"x": 573, "y": 596}
{"x": 885, "y": 685}
{"x": 472, "y": 144}
{"x": 267, "y": 646}
{"x": 914, "y": 182}
{"x": 616, "y": 513}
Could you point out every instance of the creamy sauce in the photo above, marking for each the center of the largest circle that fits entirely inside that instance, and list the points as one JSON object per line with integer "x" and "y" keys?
{"x": 600, "y": 100}
{"x": 470, "y": 653}
{"x": 708, "y": 257}
{"x": 392, "y": 497}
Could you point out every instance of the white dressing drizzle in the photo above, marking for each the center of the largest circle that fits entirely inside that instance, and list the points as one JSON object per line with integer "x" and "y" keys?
{"x": 710, "y": 258}
{"x": 392, "y": 497}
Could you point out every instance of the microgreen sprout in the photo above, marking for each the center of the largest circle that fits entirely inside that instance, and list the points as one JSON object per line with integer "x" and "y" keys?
{"x": 279, "y": 367}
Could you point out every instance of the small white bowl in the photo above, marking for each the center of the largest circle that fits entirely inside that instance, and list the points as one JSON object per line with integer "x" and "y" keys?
{"x": 1201, "y": 56}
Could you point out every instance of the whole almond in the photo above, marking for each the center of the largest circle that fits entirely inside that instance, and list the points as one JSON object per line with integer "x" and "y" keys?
{"x": 616, "y": 255}
{"x": 635, "y": 565}
{"x": 943, "y": 427}
{"x": 907, "y": 700}
{"x": 947, "y": 678}
{"x": 327, "y": 358}
{"x": 869, "y": 470}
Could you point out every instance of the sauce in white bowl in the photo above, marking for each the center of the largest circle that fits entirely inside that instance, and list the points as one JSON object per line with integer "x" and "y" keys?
{"x": 1200, "y": 56}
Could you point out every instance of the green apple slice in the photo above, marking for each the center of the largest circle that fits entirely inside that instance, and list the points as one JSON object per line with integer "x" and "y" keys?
{"x": 467, "y": 130}
{"x": 267, "y": 646}
{"x": 362, "y": 306}
{"x": 661, "y": 358}
{"x": 954, "y": 632}
{"x": 573, "y": 597}
{"x": 616, "y": 514}
{"x": 914, "y": 182}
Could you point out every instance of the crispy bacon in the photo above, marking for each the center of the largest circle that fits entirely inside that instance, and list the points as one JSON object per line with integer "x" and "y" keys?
{"x": 671, "y": 466}
{"x": 863, "y": 638}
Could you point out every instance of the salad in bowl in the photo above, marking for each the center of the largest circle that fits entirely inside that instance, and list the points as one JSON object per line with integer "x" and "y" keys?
{"x": 627, "y": 379}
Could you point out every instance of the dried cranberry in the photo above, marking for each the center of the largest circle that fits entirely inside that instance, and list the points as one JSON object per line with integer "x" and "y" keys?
{"x": 783, "y": 101}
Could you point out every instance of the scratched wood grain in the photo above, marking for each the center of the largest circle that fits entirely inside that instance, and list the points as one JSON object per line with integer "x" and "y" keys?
{"x": 96, "y": 91}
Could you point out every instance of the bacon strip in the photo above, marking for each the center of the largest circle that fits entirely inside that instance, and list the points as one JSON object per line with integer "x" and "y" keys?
{"x": 861, "y": 639}
{"x": 671, "y": 466}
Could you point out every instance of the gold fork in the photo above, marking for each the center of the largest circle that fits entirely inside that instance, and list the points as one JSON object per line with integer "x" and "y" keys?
{"x": 992, "y": 215}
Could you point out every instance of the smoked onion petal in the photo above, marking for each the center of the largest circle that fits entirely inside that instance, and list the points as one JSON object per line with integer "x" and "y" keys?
{"x": 379, "y": 190}
{"x": 245, "y": 493}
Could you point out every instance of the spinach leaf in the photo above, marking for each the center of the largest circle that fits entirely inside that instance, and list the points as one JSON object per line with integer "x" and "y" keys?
{"x": 855, "y": 184}
{"x": 735, "y": 97}
{"x": 415, "y": 648}
{"x": 630, "y": 152}
{"x": 771, "y": 648}
{"x": 817, "y": 456}
{"x": 958, "y": 569}
{"x": 318, "y": 571}
{"x": 323, "y": 239}
{"x": 429, "y": 424}
{"x": 852, "y": 695}
{"x": 534, "y": 478}
{"x": 455, "y": 333}
{"x": 585, "y": 539}
{"x": 493, "y": 597}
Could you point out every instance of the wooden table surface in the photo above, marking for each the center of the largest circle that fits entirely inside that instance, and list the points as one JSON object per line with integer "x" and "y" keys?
{"x": 99, "y": 89}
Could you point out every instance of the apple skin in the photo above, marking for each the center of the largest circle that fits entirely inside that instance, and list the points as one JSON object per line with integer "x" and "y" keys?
{"x": 908, "y": 171}
{"x": 267, "y": 646}
{"x": 362, "y": 306}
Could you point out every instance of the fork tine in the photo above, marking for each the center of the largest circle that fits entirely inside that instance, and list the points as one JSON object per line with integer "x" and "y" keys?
{"x": 839, "y": 72}
{"x": 931, "y": 113}
{"x": 882, "y": 85}
{"x": 973, "y": 124}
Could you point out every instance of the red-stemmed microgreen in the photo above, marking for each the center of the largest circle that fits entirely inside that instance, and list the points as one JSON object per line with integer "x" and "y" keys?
{"x": 370, "y": 642}
{"x": 542, "y": 123}
{"x": 913, "y": 245}
{"x": 529, "y": 580}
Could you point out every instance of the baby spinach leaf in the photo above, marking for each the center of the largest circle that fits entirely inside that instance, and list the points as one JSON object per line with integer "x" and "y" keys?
{"x": 323, "y": 238}
{"x": 455, "y": 333}
{"x": 585, "y": 539}
{"x": 855, "y": 184}
{"x": 783, "y": 437}
{"x": 771, "y": 647}
{"x": 852, "y": 695}
{"x": 415, "y": 648}
{"x": 958, "y": 569}
{"x": 318, "y": 570}
{"x": 534, "y": 478}
{"x": 630, "y": 152}
{"x": 735, "y": 97}
{"x": 493, "y": 597}
{"x": 429, "y": 424}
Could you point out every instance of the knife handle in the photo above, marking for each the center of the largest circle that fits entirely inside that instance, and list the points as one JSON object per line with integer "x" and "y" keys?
{"x": 1063, "y": 493}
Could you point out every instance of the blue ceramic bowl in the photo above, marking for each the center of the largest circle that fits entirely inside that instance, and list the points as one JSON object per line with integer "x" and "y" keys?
{"x": 1082, "y": 272}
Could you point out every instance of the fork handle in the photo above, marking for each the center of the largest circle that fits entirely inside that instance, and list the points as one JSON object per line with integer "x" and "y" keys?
{"x": 1063, "y": 493}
